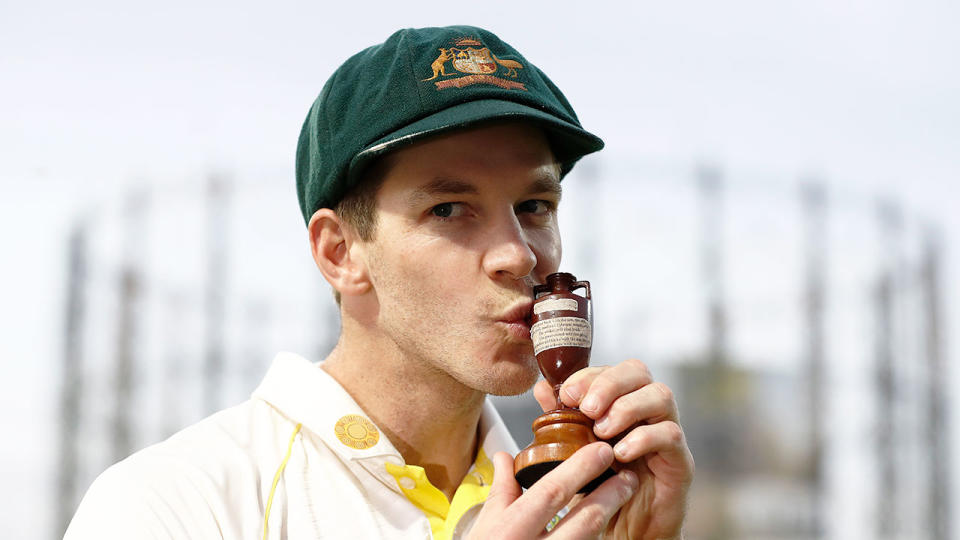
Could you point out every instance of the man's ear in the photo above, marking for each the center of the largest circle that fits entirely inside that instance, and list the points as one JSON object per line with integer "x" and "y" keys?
{"x": 331, "y": 241}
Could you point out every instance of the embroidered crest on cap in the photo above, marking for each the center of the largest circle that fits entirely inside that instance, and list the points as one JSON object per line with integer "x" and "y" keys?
{"x": 480, "y": 65}
{"x": 356, "y": 432}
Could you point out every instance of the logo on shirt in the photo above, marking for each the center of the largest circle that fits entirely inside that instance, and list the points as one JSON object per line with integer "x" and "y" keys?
{"x": 469, "y": 55}
{"x": 356, "y": 432}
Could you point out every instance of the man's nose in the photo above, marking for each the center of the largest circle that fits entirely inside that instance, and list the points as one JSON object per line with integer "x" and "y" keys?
{"x": 508, "y": 253}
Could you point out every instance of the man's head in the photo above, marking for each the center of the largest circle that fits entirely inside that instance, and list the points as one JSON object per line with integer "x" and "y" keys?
{"x": 465, "y": 225}
{"x": 428, "y": 172}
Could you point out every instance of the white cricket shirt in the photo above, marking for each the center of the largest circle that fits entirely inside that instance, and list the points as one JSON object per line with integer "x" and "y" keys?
{"x": 342, "y": 479}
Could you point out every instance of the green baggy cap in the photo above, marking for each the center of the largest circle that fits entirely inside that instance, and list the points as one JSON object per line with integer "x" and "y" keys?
{"x": 418, "y": 83}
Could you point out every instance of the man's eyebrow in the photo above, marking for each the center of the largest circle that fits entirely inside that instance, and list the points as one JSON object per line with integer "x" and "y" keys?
{"x": 546, "y": 184}
{"x": 441, "y": 186}
{"x": 452, "y": 186}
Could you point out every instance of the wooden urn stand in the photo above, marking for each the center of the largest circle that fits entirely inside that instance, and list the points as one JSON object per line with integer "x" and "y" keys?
{"x": 562, "y": 335}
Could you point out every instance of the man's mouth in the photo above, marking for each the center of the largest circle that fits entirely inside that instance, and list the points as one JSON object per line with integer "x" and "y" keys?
{"x": 517, "y": 319}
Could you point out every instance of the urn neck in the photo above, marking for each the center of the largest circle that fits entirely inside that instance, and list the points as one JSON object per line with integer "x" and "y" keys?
{"x": 560, "y": 282}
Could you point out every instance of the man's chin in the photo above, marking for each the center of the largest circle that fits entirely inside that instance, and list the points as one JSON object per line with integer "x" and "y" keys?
{"x": 515, "y": 380}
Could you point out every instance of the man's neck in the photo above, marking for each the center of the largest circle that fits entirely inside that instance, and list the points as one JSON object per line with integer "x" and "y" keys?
{"x": 430, "y": 418}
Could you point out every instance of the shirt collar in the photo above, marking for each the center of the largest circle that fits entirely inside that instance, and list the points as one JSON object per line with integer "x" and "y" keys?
{"x": 306, "y": 394}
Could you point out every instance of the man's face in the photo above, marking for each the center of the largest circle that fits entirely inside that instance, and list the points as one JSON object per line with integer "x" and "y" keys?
{"x": 466, "y": 226}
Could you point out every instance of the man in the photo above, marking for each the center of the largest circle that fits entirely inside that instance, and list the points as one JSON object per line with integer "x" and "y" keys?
{"x": 428, "y": 173}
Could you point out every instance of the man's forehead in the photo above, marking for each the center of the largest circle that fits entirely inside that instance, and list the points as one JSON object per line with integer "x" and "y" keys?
{"x": 508, "y": 157}
{"x": 544, "y": 181}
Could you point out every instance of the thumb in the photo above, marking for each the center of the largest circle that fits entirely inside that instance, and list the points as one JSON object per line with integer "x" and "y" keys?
{"x": 544, "y": 395}
{"x": 505, "y": 488}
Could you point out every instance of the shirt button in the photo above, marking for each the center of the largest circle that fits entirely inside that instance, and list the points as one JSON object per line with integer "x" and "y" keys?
{"x": 407, "y": 483}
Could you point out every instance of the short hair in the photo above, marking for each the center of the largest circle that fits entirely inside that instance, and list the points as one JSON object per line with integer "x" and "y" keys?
{"x": 358, "y": 207}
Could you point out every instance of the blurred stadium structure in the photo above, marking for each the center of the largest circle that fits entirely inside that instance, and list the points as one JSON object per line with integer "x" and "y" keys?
{"x": 799, "y": 326}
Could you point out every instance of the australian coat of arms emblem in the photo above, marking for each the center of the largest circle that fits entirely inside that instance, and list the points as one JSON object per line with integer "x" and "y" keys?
{"x": 470, "y": 57}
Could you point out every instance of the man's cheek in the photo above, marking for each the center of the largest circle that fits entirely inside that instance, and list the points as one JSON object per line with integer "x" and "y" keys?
{"x": 549, "y": 251}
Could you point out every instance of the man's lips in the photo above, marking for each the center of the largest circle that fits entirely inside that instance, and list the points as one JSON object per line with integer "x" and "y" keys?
{"x": 519, "y": 314}
{"x": 517, "y": 320}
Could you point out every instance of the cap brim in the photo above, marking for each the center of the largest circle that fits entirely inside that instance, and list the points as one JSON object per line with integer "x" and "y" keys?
{"x": 568, "y": 141}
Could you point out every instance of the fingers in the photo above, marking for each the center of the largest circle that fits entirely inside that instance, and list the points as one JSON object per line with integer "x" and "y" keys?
{"x": 509, "y": 514}
{"x": 552, "y": 492}
{"x": 651, "y": 404}
{"x": 594, "y": 389}
{"x": 505, "y": 488}
{"x": 543, "y": 393}
{"x": 665, "y": 439}
{"x": 589, "y": 518}
{"x": 577, "y": 384}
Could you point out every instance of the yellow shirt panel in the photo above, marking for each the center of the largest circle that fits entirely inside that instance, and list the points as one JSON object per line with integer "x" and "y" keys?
{"x": 443, "y": 514}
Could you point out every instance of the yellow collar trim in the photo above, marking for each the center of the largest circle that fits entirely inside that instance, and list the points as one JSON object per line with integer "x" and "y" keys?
{"x": 443, "y": 514}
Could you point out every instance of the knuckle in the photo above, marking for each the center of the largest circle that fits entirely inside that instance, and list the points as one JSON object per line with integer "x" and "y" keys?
{"x": 606, "y": 379}
{"x": 640, "y": 367}
{"x": 625, "y": 493}
{"x": 642, "y": 437}
{"x": 553, "y": 493}
{"x": 674, "y": 432}
{"x": 666, "y": 394}
{"x": 636, "y": 364}
{"x": 600, "y": 393}
{"x": 624, "y": 408}
{"x": 635, "y": 400}
{"x": 595, "y": 518}
{"x": 585, "y": 373}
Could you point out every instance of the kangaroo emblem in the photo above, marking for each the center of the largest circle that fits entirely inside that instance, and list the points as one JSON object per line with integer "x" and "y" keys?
{"x": 473, "y": 63}
{"x": 511, "y": 65}
{"x": 437, "y": 65}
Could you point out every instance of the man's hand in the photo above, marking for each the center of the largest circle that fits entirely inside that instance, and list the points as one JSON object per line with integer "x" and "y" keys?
{"x": 627, "y": 404}
{"x": 509, "y": 513}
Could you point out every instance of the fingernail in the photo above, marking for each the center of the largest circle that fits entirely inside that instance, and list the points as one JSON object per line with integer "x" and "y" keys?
{"x": 572, "y": 392}
{"x": 605, "y": 453}
{"x": 621, "y": 449}
{"x": 630, "y": 478}
{"x": 590, "y": 404}
{"x": 603, "y": 423}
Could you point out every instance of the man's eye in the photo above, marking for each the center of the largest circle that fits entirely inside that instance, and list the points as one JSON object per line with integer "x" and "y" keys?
{"x": 534, "y": 206}
{"x": 448, "y": 210}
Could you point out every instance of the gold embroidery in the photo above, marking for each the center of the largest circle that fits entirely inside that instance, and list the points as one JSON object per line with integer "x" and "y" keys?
{"x": 437, "y": 65}
{"x": 511, "y": 65}
{"x": 473, "y": 60}
{"x": 480, "y": 63}
{"x": 356, "y": 432}
{"x": 474, "y": 79}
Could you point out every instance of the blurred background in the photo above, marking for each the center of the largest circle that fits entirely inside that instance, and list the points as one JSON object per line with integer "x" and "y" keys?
{"x": 772, "y": 228}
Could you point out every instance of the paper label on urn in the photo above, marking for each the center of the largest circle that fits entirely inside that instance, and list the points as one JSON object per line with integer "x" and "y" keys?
{"x": 555, "y": 304}
{"x": 560, "y": 332}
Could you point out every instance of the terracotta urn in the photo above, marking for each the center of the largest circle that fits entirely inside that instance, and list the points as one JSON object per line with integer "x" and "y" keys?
{"x": 562, "y": 334}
